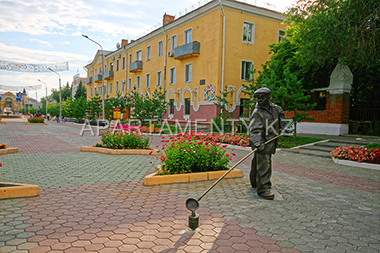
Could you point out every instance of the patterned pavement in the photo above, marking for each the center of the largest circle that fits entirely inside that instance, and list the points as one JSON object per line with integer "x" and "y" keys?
{"x": 97, "y": 203}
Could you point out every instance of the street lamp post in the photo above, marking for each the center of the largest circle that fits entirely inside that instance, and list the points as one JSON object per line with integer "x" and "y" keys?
{"x": 36, "y": 96}
{"x": 60, "y": 93}
{"x": 46, "y": 96}
{"x": 102, "y": 72}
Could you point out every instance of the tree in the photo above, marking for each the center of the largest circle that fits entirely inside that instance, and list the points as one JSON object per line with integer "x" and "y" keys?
{"x": 79, "y": 107}
{"x": 223, "y": 115}
{"x": 327, "y": 30}
{"x": 94, "y": 106}
{"x": 145, "y": 107}
{"x": 67, "y": 110}
{"x": 115, "y": 102}
{"x": 81, "y": 91}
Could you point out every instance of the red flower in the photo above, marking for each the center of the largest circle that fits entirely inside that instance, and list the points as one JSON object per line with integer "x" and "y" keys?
{"x": 227, "y": 155}
{"x": 1, "y": 165}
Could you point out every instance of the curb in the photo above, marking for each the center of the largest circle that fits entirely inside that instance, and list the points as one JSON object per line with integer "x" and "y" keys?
{"x": 8, "y": 151}
{"x": 153, "y": 179}
{"x": 310, "y": 144}
{"x": 11, "y": 190}
{"x": 27, "y": 123}
{"x": 371, "y": 166}
{"x": 110, "y": 151}
{"x": 3, "y": 122}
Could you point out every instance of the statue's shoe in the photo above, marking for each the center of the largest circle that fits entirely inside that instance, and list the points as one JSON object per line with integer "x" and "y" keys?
{"x": 267, "y": 195}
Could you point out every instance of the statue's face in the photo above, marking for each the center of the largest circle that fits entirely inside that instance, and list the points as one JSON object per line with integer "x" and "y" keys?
{"x": 262, "y": 100}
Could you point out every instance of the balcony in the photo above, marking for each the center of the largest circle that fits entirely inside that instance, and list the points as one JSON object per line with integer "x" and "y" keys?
{"x": 98, "y": 78}
{"x": 188, "y": 50}
{"x": 136, "y": 66}
{"x": 89, "y": 80}
{"x": 108, "y": 75}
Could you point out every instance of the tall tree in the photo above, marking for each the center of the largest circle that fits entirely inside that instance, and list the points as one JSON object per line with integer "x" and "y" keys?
{"x": 79, "y": 106}
{"x": 81, "y": 91}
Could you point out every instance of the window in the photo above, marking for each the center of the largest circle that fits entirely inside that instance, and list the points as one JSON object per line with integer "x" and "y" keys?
{"x": 96, "y": 72}
{"x": 139, "y": 55}
{"x": 159, "y": 75}
{"x": 105, "y": 67}
{"x": 159, "y": 49}
{"x": 104, "y": 89}
{"x": 123, "y": 63}
{"x": 91, "y": 73}
{"x": 246, "y": 70}
{"x": 117, "y": 87}
{"x": 172, "y": 76}
{"x": 130, "y": 58}
{"x": 138, "y": 83}
{"x": 188, "y": 72}
{"x": 187, "y": 106}
{"x": 248, "y": 32}
{"x": 147, "y": 81}
{"x": 122, "y": 86}
{"x": 187, "y": 36}
{"x": 110, "y": 88}
{"x": 111, "y": 66}
{"x": 95, "y": 91}
{"x": 173, "y": 42}
{"x": 171, "y": 106}
{"x": 129, "y": 84}
{"x": 117, "y": 65}
{"x": 148, "y": 49}
{"x": 281, "y": 35}
{"x": 91, "y": 91}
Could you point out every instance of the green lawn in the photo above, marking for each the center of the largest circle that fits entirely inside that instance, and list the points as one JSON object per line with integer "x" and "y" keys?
{"x": 289, "y": 142}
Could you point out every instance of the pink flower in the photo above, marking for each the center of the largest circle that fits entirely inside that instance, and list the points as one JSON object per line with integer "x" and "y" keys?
{"x": 233, "y": 154}
{"x": 207, "y": 149}
{"x": 150, "y": 152}
{"x": 230, "y": 159}
{"x": 190, "y": 142}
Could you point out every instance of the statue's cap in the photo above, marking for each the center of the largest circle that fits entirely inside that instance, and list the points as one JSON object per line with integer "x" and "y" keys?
{"x": 262, "y": 91}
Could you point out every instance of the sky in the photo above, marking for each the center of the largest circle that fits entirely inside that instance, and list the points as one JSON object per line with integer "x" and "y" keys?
{"x": 46, "y": 31}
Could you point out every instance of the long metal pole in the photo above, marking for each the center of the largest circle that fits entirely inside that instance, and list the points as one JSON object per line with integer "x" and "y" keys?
{"x": 46, "y": 96}
{"x": 233, "y": 167}
{"x": 101, "y": 48}
{"x": 60, "y": 93}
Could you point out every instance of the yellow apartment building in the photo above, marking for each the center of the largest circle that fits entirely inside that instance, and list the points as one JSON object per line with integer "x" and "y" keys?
{"x": 192, "y": 58}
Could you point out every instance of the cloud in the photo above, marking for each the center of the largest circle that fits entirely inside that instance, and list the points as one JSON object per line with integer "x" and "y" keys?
{"x": 47, "y": 43}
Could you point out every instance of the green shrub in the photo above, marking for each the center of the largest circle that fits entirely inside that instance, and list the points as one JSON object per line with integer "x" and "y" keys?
{"x": 36, "y": 120}
{"x": 373, "y": 146}
{"x": 187, "y": 154}
{"x": 123, "y": 140}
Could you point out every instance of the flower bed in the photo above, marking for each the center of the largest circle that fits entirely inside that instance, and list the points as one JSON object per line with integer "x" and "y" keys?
{"x": 123, "y": 140}
{"x": 5, "y": 150}
{"x": 358, "y": 154}
{"x": 3, "y": 146}
{"x": 36, "y": 120}
{"x": 190, "y": 152}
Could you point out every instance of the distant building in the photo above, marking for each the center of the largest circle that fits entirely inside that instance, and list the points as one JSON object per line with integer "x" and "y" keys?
{"x": 74, "y": 85}
{"x": 14, "y": 101}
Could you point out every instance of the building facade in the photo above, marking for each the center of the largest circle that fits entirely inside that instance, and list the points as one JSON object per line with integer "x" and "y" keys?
{"x": 192, "y": 58}
{"x": 13, "y": 101}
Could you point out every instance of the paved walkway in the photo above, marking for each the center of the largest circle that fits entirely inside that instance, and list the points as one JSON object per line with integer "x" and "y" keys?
{"x": 97, "y": 203}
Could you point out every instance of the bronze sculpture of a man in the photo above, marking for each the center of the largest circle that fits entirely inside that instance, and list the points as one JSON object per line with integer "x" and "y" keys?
{"x": 266, "y": 122}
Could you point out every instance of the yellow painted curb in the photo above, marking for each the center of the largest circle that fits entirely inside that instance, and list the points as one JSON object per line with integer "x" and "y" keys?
{"x": 28, "y": 123}
{"x": 153, "y": 179}
{"x": 111, "y": 151}
{"x": 11, "y": 190}
{"x": 8, "y": 151}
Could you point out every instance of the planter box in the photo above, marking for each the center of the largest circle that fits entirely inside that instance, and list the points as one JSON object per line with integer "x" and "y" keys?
{"x": 372, "y": 166}
{"x": 111, "y": 151}
{"x": 3, "y": 122}
{"x": 28, "y": 123}
{"x": 153, "y": 179}
{"x": 11, "y": 190}
{"x": 8, "y": 151}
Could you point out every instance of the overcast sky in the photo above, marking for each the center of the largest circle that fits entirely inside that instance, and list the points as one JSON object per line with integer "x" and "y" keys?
{"x": 49, "y": 31}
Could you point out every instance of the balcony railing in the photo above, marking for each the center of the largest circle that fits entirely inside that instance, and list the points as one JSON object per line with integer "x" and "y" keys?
{"x": 188, "y": 50}
{"x": 98, "y": 78}
{"x": 108, "y": 75}
{"x": 136, "y": 66}
{"x": 89, "y": 80}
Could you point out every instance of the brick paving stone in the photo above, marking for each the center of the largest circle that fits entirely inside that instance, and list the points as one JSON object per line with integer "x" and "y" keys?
{"x": 97, "y": 202}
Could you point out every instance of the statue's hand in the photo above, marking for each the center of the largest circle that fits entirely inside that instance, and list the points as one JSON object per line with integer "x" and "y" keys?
{"x": 260, "y": 146}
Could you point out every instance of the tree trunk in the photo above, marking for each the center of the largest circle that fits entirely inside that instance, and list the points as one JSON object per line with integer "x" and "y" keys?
{"x": 295, "y": 130}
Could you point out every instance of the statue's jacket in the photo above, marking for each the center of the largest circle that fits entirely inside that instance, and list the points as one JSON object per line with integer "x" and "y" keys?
{"x": 264, "y": 124}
